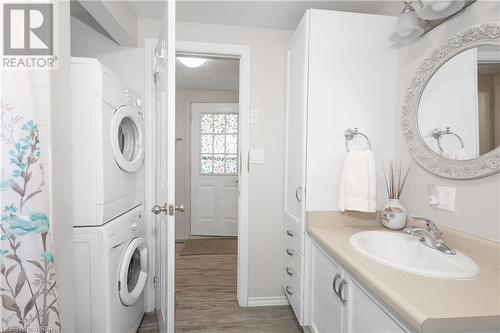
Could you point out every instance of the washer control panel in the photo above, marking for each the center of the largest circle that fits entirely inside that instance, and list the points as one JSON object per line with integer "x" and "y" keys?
{"x": 136, "y": 221}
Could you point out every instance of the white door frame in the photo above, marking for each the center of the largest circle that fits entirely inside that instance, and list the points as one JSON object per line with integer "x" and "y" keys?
{"x": 241, "y": 52}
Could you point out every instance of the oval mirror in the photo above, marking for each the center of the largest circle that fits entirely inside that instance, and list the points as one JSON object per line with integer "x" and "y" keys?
{"x": 451, "y": 112}
{"x": 459, "y": 111}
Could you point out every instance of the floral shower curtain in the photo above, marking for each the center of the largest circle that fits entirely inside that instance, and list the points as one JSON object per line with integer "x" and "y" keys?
{"x": 27, "y": 274}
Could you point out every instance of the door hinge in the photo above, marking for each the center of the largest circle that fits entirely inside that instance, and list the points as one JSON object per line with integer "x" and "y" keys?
{"x": 154, "y": 282}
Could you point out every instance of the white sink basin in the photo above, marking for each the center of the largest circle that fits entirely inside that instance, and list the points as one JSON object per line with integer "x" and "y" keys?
{"x": 406, "y": 253}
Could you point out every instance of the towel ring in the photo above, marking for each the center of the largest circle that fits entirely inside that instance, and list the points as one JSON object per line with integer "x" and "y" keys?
{"x": 351, "y": 133}
{"x": 438, "y": 134}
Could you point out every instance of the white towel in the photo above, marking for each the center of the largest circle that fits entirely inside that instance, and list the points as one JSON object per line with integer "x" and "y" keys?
{"x": 358, "y": 185}
{"x": 460, "y": 154}
{"x": 448, "y": 154}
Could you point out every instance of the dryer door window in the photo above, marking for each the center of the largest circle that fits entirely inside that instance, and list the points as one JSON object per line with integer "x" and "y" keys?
{"x": 127, "y": 138}
{"x": 133, "y": 272}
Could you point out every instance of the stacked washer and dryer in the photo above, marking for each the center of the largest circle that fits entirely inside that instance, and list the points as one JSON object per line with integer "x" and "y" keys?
{"x": 111, "y": 257}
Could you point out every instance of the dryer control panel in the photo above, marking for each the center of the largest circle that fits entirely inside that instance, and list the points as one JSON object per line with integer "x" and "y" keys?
{"x": 133, "y": 98}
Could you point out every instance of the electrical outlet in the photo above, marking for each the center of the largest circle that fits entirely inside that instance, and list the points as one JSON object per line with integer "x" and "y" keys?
{"x": 442, "y": 197}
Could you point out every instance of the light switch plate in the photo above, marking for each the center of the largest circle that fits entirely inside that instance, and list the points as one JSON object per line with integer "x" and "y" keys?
{"x": 254, "y": 116}
{"x": 257, "y": 156}
{"x": 442, "y": 197}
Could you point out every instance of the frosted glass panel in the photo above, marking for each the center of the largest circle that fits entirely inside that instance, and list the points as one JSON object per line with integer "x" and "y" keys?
{"x": 206, "y": 143}
{"x": 206, "y": 164}
{"x": 231, "y": 164}
{"x": 232, "y": 123}
{"x": 219, "y": 162}
{"x": 218, "y": 144}
{"x": 219, "y": 123}
{"x": 207, "y": 123}
{"x": 231, "y": 144}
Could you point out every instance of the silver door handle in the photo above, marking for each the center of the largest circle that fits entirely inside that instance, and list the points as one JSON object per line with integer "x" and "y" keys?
{"x": 158, "y": 209}
{"x": 334, "y": 284}
{"x": 288, "y": 290}
{"x": 341, "y": 291}
{"x": 289, "y": 252}
{"x": 288, "y": 271}
{"x": 172, "y": 209}
{"x": 289, "y": 233}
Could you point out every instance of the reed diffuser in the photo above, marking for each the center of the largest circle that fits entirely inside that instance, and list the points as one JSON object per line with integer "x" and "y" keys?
{"x": 394, "y": 213}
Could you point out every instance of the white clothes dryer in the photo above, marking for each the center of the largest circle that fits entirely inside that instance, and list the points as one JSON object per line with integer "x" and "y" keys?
{"x": 111, "y": 271}
{"x": 108, "y": 144}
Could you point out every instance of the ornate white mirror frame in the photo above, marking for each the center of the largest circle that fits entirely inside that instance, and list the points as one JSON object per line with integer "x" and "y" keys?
{"x": 482, "y": 166}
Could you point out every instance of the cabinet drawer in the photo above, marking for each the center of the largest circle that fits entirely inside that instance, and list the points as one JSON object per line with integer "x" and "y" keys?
{"x": 290, "y": 276}
{"x": 294, "y": 298}
{"x": 294, "y": 236}
{"x": 293, "y": 257}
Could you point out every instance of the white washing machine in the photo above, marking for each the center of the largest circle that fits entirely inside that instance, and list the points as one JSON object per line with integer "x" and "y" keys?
{"x": 111, "y": 271}
{"x": 108, "y": 144}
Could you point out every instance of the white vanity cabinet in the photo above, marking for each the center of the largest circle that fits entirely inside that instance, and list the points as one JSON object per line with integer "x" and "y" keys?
{"x": 338, "y": 303}
{"x": 341, "y": 73}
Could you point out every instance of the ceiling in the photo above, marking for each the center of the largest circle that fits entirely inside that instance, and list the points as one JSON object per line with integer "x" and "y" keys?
{"x": 278, "y": 14}
{"x": 215, "y": 74}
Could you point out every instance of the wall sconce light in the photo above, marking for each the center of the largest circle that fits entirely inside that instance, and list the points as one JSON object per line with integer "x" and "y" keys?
{"x": 410, "y": 25}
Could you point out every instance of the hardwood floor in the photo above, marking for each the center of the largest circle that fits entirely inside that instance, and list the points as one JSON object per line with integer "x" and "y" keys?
{"x": 206, "y": 300}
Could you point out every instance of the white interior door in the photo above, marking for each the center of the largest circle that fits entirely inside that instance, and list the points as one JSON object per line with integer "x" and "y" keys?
{"x": 214, "y": 169}
{"x": 165, "y": 173}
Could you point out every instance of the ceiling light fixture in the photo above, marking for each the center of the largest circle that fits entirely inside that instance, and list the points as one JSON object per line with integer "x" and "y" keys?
{"x": 410, "y": 26}
{"x": 192, "y": 62}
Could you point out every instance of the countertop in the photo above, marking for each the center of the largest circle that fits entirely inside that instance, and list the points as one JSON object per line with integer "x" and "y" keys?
{"x": 427, "y": 304}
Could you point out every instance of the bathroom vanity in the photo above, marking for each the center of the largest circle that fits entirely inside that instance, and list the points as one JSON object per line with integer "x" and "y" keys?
{"x": 351, "y": 293}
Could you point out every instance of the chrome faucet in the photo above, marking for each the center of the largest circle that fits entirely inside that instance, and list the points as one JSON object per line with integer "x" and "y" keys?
{"x": 430, "y": 235}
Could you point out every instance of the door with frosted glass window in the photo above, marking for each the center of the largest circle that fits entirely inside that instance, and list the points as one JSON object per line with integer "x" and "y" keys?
{"x": 214, "y": 169}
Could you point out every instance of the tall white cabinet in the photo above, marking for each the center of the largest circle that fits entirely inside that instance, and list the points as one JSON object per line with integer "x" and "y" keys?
{"x": 342, "y": 73}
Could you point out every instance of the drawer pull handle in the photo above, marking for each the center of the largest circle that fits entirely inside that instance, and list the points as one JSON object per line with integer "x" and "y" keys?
{"x": 334, "y": 284}
{"x": 288, "y": 290}
{"x": 298, "y": 193}
{"x": 289, "y": 233}
{"x": 288, "y": 271}
{"x": 341, "y": 291}
{"x": 289, "y": 252}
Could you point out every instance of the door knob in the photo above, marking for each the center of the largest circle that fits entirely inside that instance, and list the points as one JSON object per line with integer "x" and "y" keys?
{"x": 158, "y": 209}
{"x": 180, "y": 208}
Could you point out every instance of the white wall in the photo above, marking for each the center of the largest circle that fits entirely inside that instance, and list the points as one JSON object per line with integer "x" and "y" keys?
{"x": 268, "y": 73}
{"x": 183, "y": 100}
{"x": 477, "y": 201}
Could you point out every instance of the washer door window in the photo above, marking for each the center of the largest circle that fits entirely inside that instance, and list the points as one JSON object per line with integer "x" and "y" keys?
{"x": 133, "y": 272}
{"x": 127, "y": 138}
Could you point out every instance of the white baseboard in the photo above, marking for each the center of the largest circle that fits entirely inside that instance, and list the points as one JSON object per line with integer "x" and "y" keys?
{"x": 267, "y": 301}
